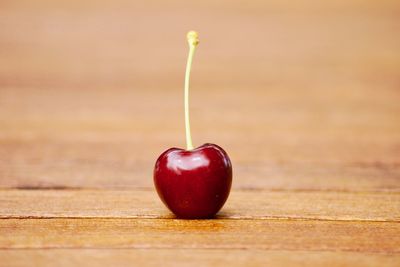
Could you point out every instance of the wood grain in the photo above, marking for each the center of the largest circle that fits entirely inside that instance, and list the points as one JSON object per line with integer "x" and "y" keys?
{"x": 49, "y": 163}
{"x": 208, "y": 234}
{"x": 197, "y": 257}
{"x": 241, "y": 205}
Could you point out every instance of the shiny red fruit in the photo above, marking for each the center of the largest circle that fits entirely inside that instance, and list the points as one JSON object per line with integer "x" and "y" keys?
{"x": 194, "y": 184}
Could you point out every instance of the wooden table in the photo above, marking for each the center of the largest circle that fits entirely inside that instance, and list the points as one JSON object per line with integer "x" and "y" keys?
{"x": 304, "y": 96}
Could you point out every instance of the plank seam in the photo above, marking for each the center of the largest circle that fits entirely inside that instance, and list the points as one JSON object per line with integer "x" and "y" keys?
{"x": 260, "y": 218}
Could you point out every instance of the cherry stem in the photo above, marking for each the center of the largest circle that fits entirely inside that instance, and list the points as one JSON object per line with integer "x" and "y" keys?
{"x": 193, "y": 40}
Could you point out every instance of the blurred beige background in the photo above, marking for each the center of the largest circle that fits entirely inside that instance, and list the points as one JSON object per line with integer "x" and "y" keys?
{"x": 303, "y": 95}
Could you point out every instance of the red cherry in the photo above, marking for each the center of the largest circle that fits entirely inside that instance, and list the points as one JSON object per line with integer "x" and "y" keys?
{"x": 194, "y": 184}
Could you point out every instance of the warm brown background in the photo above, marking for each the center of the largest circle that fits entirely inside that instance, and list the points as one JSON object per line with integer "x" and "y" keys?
{"x": 305, "y": 97}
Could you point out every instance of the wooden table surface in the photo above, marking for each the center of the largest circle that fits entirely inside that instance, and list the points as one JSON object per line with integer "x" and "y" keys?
{"x": 304, "y": 96}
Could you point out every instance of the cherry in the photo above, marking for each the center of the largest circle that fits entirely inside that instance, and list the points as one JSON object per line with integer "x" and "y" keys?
{"x": 193, "y": 183}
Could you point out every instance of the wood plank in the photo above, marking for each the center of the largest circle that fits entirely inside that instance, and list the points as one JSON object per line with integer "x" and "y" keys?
{"x": 382, "y": 237}
{"x": 114, "y": 162}
{"x": 48, "y": 163}
{"x": 82, "y": 169}
{"x": 197, "y": 257}
{"x": 251, "y": 204}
